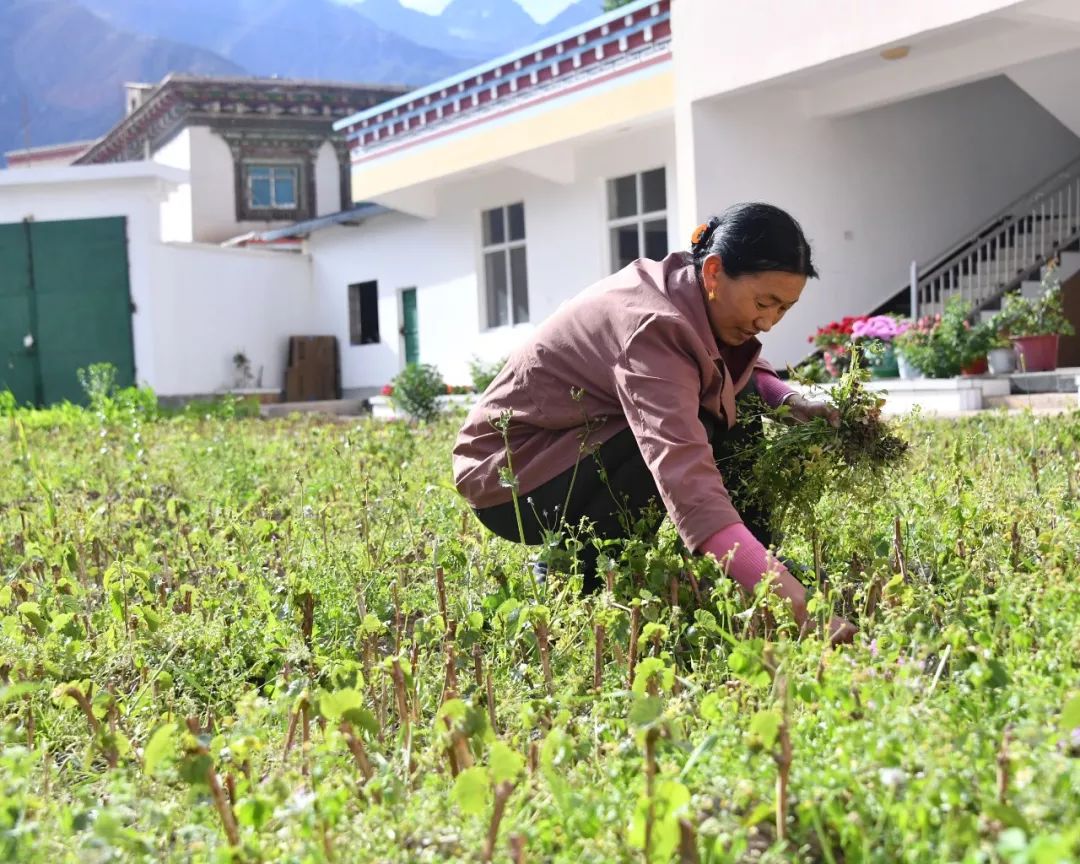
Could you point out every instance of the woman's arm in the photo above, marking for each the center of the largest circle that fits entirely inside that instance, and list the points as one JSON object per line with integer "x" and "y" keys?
{"x": 747, "y": 561}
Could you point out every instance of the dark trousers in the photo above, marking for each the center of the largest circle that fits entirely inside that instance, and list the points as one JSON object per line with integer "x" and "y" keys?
{"x": 626, "y": 494}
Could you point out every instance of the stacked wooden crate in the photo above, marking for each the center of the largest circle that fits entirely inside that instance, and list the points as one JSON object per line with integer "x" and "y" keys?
{"x": 314, "y": 370}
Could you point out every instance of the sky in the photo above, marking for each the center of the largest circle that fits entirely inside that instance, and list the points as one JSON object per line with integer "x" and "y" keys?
{"x": 541, "y": 10}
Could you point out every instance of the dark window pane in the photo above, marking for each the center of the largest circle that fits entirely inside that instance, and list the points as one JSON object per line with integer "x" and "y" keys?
{"x": 624, "y": 246}
{"x": 622, "y": 197}
{"x": 260, "y": 192}
{"x": 520, "y": 284}
{"x": 495, "y": 287}
{"x": 369, "y": 313}
{"x": 515, "y": 214}
{"x": 656, "y": 239}
{"x": 354, "y": 315}
{"x": 284, "y": 189}
{"x": 493, "y": 227}
{"x": 653, "y": 191}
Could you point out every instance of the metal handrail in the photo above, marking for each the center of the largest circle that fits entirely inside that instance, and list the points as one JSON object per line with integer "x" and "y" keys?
{"x": 1005, "y": 249}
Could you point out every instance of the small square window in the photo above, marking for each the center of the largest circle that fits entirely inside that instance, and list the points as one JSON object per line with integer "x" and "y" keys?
{"x": 272, "y": 187}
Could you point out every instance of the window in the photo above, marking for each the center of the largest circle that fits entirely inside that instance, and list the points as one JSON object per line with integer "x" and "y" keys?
{"x": 272, "y": 187}
{"x": 506, "y": 284}
{"x": 364, "y": 313}
{"x": 637, "y": 217}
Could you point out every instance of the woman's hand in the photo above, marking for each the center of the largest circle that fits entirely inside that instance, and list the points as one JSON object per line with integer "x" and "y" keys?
{"x": 841, "y": 631}
{"x": 804, "y": 410}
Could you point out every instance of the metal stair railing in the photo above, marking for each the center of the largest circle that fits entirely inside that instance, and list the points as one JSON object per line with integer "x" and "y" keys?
{"x": 1005, "y": 250}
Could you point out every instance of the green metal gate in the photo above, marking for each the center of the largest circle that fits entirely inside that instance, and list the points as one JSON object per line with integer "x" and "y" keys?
{"x": 64, "y": 304}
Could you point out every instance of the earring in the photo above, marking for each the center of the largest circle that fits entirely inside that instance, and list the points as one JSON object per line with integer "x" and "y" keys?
{"x": 711, "y": 295}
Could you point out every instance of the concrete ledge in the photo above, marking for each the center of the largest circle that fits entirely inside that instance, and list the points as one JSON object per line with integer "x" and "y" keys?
{"x": 334, "y": 407}
{"x": 933, "y": 395}
{"x": 382, "y": 407}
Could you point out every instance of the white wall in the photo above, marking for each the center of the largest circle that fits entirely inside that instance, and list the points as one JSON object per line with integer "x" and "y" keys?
{"x": 721, "y": 47}
{"x": 176, "y": 211}
{"x": 134, "y": 190}
{"x": 1053, "y": 83}
{"x": 876, "y": 190}
{"x": 212, "y": 302}
{"x": 327, "y": 181}
{"x": 566, "y": 231}
{"x": 213, "y": 204}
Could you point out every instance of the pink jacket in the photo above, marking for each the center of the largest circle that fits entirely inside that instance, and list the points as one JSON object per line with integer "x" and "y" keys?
{"x": 636, "y": 350}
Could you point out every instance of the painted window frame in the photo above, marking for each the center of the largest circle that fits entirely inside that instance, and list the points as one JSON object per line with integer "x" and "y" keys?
{"x": 293, "y": 168}
{"x": 506, "y": 246}
{"x": 638, "y": 219}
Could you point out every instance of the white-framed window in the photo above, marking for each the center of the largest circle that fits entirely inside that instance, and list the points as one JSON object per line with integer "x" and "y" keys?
{"x": 506, "y": 284}
{"x": 637, "y": 217}
{"x": 272, "y": 187}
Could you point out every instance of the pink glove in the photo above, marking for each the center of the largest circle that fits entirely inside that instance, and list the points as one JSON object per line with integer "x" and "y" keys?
{"x": 749, "y": 561}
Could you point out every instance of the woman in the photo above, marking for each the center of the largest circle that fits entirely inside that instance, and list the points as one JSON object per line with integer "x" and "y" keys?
{"x": 642, "y": 370}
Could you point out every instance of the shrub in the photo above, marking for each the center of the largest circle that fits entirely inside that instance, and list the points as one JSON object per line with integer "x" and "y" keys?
{"x": 942, "y": 345}
{"x": 1039, "y": 316}
{"x": 483, "y": 372}
{"x": 416, "y": 390}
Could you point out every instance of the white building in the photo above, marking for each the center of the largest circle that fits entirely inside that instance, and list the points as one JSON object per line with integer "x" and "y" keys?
{"x": 938, "y": 132}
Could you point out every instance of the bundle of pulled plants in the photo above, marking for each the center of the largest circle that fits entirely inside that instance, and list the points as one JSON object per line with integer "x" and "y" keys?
{"x": 785, "y": 469}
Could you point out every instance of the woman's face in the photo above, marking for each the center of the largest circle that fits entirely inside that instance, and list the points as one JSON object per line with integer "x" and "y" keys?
{"x": 747, "y": 305}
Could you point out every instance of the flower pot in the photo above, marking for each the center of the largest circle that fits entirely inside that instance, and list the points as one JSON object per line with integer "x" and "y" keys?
{"x": 884, "y": 365}
{"x": 907, "y": 371}
{"x": 1001, "y": 361}
{"x": 1036, "y": 353}
{"x": 975, "y": 367}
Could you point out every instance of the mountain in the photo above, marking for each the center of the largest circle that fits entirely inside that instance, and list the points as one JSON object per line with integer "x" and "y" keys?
{"x": 420, "y": 27}
{"x": 62, "y": 70}
{"x": 573, "y": 15}
{"x": 290, "y": 38}
{"x": 498, "y": 26}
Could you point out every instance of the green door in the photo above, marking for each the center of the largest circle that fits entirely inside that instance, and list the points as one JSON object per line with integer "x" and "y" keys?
{"x": 83, "y": 302}
{"x": 409, "y": 327}
{"x": 64, "y": 305}
{"x": 18, "y": 369}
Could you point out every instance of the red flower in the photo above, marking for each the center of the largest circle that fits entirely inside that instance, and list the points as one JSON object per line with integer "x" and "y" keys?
{"x": 388, "y": 390}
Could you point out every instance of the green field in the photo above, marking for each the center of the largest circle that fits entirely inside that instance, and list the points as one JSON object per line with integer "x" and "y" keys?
{"x": 217, "y": 628}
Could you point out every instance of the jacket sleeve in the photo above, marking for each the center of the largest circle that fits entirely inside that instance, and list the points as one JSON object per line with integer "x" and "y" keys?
{"x": 658, "y": 384}
{"x": 772, "y": 390}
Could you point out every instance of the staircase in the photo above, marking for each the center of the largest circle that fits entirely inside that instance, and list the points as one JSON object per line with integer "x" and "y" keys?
{"x": 1007, "y": 253}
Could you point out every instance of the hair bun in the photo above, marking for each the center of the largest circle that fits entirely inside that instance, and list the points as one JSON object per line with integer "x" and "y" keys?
{"x": 699, "y": 240}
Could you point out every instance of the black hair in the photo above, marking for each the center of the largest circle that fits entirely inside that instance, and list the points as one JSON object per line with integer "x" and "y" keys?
{"x": 753, "y": 238}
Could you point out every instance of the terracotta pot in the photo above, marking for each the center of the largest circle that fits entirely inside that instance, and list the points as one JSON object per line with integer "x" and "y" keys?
{"x": 976, "y": 367}
{"x": 1036, "y": 353}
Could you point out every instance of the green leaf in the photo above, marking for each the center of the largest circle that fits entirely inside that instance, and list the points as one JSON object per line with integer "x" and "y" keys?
{"x": 333, "y": 705}
{"x": 471, "y": 789}
{"x": 1070, "y": 714}
{"x": 645, "y": 710}
{"x": 160, "y": 746}
{"x": 765, "y": 726}
{"x": 32, "y": 612}
{"x": 505, "y": 763}
{"x": 253, "y": 812}
{"x": 650, "y": 668}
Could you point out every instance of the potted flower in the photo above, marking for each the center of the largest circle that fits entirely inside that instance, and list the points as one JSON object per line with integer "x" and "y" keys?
{"x": 944, "y": 345}
{"x": 1035, "y": 324}
{"x": 834, "y": 340}
{"x": 875, "y": 335}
